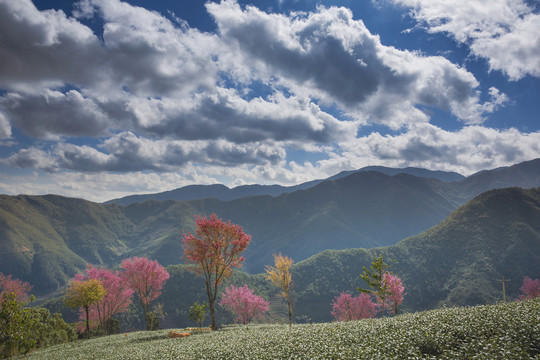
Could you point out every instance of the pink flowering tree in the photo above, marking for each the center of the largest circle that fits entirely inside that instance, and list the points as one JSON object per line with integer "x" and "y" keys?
{"x": 243, "y": 303}
{"x": 215, "y": 248}
{"x": 117, "y": 299}
{"x": 530, "y": 288}
{"x": 15, "y": 321}
{"x": 146, "y": 278}
{"x": 395, "y": 290}
{"x": 345, "y": 307}
{"x": 18, "y": 288}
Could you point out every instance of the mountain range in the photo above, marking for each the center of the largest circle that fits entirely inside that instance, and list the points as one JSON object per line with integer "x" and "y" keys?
{"x": 46, "y": 239}
{"x": 222, "y": 192}
{"x": 460, "y": 261}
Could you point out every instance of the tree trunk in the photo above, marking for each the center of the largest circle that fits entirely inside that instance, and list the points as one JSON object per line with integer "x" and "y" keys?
{"x": 290, "y": 312}
{"x": 211, "y": 304}
{"x": 213, "y": 315}
{"x": 86, "y": 309}
{"x": 145, "y": 312}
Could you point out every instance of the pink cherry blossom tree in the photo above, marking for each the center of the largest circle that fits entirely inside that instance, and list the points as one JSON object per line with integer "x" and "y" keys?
{"x": 530, "y": 288}
{"x": 244, "y": 303}
{"x": 147, "y": 278}
{"x": 117, "y": 299}
{"x": 346, "y": 307}
{"x": 19, "y": 288}
{"x": 395, "y": 289}
{"x": 215, "y": 248}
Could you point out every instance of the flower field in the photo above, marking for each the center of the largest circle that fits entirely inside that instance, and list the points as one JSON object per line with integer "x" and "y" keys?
{"x": 502, "y": 331}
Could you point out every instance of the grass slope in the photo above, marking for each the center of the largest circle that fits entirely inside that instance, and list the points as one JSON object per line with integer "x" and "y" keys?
{"x": 503, "y": 331}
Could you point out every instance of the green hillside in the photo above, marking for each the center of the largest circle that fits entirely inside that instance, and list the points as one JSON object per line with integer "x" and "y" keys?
{"x": 47, "y": 239}
{"x": 61, "y": 235}
{"x": 457, "y": 262}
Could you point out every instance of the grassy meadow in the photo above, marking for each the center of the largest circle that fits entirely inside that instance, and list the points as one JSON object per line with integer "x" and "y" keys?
{"x": 502, "y": 331}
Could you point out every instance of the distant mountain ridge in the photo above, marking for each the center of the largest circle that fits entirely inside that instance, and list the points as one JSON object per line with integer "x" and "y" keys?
{"x": 46, "y": 239}
{"x": 224, "y": 193}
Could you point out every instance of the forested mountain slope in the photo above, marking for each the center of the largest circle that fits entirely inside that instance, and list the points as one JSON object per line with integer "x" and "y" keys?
{"x": 46, "y": 239}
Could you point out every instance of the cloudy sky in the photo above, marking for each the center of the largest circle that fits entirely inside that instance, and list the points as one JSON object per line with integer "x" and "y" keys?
{"x": 104, "y": 98}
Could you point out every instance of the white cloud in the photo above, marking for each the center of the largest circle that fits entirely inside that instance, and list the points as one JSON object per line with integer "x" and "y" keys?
{"x": 468, "y": 150}
{"x": 126, "y": 152}
{"x": 158, "y": 96}
{"x": 31, "y": 158}
{"x": 505, "y": 32}
{"x": 328, "y": 55}
{"x": 5, "y": 127}
{"x": 99, "y": 187}
{"x": 41, "y": 49}
{"x": 141, "y": 51}
{"x": 51, "y": 114}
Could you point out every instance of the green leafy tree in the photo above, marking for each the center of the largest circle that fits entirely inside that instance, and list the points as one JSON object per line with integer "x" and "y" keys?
{"x": 15, "y": 326}
{"x": 50, "y": 330}
{"x": 374, "y": 276}
{"x": 154, "y": 316}
{"x": 197, "y": 313}
{"x": 83, "y": 294}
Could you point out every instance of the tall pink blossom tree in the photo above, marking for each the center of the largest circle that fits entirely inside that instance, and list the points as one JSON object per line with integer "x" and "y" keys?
{"x": 395, "y": 289}
{"x": 346, "y": 307}
{"x": 117, "y": 299}
{"x": 530, "y": 288}
{"x": 215, "y": 248}
{"x": 147, "y": 278}
{"x": 19, "y": 288}
{"x": 244, "y": 303}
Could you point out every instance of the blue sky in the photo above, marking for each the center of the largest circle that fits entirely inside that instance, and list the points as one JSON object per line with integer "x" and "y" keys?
{"x": 105, "y": 98}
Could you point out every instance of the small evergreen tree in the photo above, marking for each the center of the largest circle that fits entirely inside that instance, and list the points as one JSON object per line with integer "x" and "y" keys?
{"x": 374, "y": 277}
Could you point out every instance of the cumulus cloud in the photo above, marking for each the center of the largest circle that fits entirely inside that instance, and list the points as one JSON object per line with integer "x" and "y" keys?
{"x": 505, "y": 32}
{"x": 158, "y": 96}
{"x": 328, "y": 55}
{"x": 5, "y": 127}
{"x": 51, "y": 114}
{"x": 467, "y": 150}
{"x": 32, "y": 158}
{"x": 144, "y": 75}
{"x": 127, "y": 152}
{"x": 140, "y": 51}
{"x": 225, "y": 114}
{"x": 41, "y": 49}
